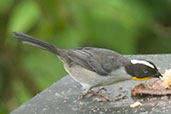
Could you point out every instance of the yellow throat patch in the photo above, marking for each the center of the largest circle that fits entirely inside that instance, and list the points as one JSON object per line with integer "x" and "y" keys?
{"x": 145, "y": 78}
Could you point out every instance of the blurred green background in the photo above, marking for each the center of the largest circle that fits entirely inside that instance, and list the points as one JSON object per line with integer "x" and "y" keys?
{"x": 126, "y": 26}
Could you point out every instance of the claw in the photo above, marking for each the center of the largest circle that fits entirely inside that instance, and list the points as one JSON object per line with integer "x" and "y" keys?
{"x": 119, "y": 97}
{"x": 102, "y": 88}
{"x": 86, "y": 93}
{"x": 103, "y": 98}
{"x": 97, "y": 94}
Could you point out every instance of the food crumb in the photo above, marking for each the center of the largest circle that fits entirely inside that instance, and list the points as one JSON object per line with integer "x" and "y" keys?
{"x": 167, "y": 79}
{"x": 135, "y": 105}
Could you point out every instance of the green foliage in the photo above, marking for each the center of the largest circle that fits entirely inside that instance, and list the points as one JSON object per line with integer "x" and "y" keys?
{"x": 24, "y": 16}
{"x": 129, "y": 27}
{"x": 4, "y": 5}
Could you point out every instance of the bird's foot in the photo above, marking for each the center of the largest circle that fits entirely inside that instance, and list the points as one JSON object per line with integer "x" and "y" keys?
{"x": 102, "y": 89}
{"x": 86, "y": 93}
{"x": 119, "y": 97}
{"x": 102, "y": 95}
{"x": 90, "y": 91}
{"x": 97, "y": 94}
{"x": 108, "y": 98}
{"x": 102, "y": 98}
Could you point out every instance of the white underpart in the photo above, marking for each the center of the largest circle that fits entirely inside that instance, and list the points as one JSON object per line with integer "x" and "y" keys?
{"x": 135, "y": 61}
{"x": 90, "y": 79}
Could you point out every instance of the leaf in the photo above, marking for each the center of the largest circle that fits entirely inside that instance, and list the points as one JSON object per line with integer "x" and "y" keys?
{"x": 24, "y": 17}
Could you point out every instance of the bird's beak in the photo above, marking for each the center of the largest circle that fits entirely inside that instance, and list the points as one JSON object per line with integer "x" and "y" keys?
{"x": 158, "y": 75}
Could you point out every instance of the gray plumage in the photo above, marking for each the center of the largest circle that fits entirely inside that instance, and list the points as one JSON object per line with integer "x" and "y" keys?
{"x": 91, "y": 67}
{"x": 99, "y": 60}
{"x": 37, "y": 43}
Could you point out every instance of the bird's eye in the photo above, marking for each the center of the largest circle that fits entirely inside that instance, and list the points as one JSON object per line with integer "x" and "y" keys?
{"x": 145, "y": 71}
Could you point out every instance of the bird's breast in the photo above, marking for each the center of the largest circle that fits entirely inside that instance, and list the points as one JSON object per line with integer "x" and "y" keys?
{"x": 84, "y": 76}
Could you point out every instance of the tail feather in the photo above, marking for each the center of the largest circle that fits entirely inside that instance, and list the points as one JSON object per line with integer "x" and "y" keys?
{"x": 37, "y": 43}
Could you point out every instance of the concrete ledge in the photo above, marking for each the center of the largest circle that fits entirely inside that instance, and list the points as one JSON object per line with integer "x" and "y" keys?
{"x": 62, "y": 97}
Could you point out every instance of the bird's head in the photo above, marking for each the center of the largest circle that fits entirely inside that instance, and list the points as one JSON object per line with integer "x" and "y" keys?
{"x": 142, "y": 69}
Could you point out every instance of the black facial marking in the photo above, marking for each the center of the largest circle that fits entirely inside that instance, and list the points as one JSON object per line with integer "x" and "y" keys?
{"x": 141, "y": 70}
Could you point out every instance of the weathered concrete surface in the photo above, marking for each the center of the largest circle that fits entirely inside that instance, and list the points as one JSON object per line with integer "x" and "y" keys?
{"x": 63, "y": 97}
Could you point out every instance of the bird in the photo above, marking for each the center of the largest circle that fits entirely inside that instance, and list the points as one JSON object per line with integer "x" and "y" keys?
{"x": 96, "y": 67}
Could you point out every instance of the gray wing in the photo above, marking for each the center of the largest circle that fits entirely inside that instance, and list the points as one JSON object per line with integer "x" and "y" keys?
{"x": 101, "y": 61}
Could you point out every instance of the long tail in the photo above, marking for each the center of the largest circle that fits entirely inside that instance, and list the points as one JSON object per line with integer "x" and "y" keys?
{"x": 37, "y": 43}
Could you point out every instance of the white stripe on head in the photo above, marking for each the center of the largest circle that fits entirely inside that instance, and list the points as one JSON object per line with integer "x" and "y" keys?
{"x": 135, "y": 61}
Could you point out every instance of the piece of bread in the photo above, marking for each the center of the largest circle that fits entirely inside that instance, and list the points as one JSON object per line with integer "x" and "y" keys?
{"x": 167, "y": 79}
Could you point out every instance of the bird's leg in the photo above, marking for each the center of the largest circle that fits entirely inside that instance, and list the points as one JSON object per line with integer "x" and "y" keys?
{"x": 102, "y": 88}
{"x": 87, "y": 90}
{"x": 97, "y": 94}
{"x": 119, "y": 97}
{"x": 86, "y": 93}
{"x": 103, "y": 97}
